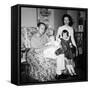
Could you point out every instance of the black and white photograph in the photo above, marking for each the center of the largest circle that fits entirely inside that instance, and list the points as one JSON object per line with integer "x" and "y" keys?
{"x": 53, "y": 44}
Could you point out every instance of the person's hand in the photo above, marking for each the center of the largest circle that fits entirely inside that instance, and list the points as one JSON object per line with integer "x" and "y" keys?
{"x": 37, "y": 50}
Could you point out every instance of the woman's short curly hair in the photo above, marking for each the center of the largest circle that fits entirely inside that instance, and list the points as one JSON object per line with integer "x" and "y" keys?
{"x": 70, "y": 19}
{"x": 38, "y": 25}
{"x": 41, "y": 23}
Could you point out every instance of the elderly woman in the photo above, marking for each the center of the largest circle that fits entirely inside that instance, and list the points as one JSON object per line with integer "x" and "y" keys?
{"x": 40, "y": 68}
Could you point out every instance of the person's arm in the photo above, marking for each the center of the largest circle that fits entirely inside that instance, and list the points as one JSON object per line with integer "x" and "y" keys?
{"x": 73, "y": 41}
{"x": 72, "y": 38}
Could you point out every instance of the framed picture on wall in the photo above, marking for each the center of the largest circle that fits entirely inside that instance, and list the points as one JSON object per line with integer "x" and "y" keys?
{"x": 80, "y": 28}
{"x": 43, "y": 47}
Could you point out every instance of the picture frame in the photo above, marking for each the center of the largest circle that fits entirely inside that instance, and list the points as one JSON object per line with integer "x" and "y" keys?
{"x": 26, "y": 67}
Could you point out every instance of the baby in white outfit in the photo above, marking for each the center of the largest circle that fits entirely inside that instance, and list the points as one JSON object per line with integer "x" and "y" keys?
{"x": 51, "y": 47}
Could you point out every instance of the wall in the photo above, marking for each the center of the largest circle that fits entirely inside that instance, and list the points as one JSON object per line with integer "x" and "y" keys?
{"x": 28, "y": 17}
{"x": 74, "y": 15}
{"x": 58, "y": 18}
{"x": 51, "y": 19}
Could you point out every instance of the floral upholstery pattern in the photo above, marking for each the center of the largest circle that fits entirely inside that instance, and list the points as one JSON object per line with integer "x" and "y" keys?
{"x": 26, "y": 34}
{"x": 40, "y": 68}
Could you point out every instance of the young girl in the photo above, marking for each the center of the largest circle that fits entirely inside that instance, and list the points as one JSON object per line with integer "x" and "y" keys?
{"x": 66, "y": 46}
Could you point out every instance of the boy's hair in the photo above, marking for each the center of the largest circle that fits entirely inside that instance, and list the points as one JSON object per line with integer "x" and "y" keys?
{"x": 65, "y": 31}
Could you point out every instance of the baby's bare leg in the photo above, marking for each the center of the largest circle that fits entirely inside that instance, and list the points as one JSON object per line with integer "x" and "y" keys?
{"x": 69, "y": 69}
{"x": 72, "y": 69}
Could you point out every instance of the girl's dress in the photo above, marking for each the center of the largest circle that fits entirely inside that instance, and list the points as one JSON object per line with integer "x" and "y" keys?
{"x": 66, "y": 48}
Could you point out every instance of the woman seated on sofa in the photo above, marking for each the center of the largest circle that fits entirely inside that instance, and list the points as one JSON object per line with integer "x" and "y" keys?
{"x": 42, "y": 68}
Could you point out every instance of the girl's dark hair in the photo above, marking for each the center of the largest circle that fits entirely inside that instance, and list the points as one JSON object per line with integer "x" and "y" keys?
{"x": 38, "y": 25}
{"x": 70, "y": 19}
{"x": 65, "y": 31}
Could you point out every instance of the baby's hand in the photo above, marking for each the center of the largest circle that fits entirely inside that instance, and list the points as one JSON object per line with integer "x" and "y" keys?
{"x": 71, "y": 45}
{"x": 46, "y": 44}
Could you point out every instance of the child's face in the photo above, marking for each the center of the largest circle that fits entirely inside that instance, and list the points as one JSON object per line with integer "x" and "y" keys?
{"x": 65, "y": 36}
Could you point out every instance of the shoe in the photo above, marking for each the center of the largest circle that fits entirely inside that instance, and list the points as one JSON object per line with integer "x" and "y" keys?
{"x": 62, "y": 76}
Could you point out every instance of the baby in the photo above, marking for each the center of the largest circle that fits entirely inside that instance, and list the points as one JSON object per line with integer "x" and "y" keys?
{"x": 51, "y": 47}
